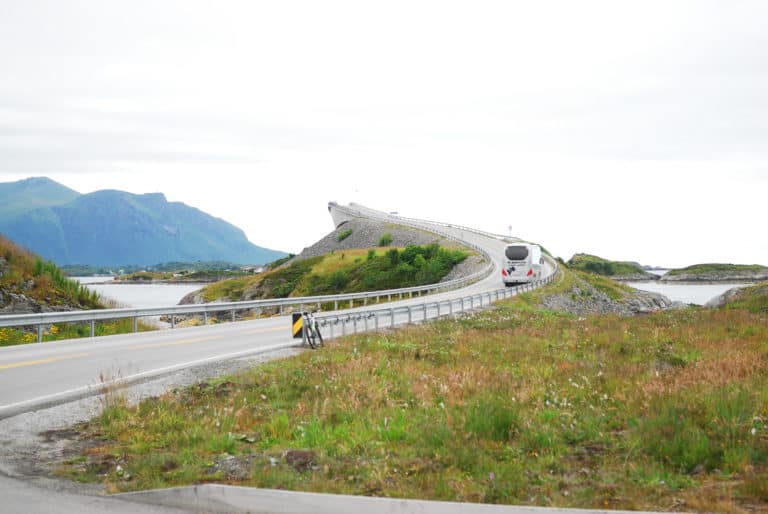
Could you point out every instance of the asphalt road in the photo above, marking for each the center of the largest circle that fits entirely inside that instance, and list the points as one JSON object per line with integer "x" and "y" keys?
{"x": 39, "y": 375}
{"x": 34, "y": 376}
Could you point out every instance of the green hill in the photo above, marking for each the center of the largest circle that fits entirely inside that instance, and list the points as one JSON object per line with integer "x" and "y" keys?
{"x": 600, "y": 266}
{"x": 114, "y": 228}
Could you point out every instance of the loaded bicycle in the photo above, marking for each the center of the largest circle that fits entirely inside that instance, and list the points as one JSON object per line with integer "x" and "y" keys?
{"x": 312, "y": 334}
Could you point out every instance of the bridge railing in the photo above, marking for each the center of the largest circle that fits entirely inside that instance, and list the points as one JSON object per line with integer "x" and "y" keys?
{"x": 363, "y": 320}
{"x": 41, "y": 320}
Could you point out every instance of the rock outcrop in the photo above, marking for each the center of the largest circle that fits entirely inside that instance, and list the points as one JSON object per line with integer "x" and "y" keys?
{"x": 635, "y": 277}
{"x": 14, "y": 303}
{"x": 585, "y": 299}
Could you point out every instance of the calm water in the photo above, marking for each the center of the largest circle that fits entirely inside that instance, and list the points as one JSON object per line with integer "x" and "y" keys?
{"x": 139, "y": 295}
{"x": 698, "y": 294}
{"x": 164, "y": 295}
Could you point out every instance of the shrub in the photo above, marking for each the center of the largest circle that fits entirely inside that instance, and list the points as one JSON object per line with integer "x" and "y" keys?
{"x": 386, "y": 239}
{"x": 341, "y": 236}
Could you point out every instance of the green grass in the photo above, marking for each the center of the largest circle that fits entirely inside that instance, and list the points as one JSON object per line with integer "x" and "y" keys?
{"x": 511, "y": 405}
{"x": 753, "y": 298}
{"x": 698, "y": 269}
{"x": 600, "y": 266}
{"x": 341, "y": 236}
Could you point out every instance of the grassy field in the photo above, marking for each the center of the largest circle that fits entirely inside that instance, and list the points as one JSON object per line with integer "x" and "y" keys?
{"x": 514, "y": 405}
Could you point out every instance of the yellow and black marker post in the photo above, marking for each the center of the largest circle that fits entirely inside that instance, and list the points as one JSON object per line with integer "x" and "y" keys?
{"x": 298, "y": 325}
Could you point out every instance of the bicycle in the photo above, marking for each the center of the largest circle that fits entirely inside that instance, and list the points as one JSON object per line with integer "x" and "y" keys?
{"x": 312, "y": 330}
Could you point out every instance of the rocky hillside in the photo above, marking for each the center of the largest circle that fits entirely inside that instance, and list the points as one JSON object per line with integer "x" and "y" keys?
{"x": 351, "y": 259}
{"x": 718, "y": 273}
{"x": 582, "y": 294}
{"x": 364, "y": 233}
{"x": 29, "y": 285}
{"x": 112, "y": 228}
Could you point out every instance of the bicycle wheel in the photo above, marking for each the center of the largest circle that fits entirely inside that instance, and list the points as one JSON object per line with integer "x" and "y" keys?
{"x": 308, "y": 333}
{"x": 319, "y": 335}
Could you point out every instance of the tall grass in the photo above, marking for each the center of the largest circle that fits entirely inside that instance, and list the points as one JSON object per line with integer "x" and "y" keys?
{"x": 512, "y": 405}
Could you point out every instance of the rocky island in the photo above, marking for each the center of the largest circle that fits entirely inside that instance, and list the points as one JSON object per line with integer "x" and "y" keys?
{"x": 718, "y": 273}
{"x": 623, "y": 271}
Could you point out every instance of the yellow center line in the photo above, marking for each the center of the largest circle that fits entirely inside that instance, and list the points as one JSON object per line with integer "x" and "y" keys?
{"x": 42, "y": 361}
{"x": 175, "y": 343}
{"x": 265, "y": 330}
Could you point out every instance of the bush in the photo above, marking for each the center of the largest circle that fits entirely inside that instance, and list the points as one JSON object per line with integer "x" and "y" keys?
{"x": 341, "y": 236}
{"x": 386, "y": 239}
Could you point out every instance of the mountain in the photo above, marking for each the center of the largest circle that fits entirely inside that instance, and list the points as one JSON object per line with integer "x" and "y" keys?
{"x": 32, "y": 193}
{"x": 111, "y": 227}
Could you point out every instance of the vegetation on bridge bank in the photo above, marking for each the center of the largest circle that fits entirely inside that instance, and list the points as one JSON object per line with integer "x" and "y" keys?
{"x": 348, "y": 271}
{"x": 517, "y": 404}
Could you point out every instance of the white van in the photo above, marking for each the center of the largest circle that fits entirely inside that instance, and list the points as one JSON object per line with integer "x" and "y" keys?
{"x": 523, "y": 262}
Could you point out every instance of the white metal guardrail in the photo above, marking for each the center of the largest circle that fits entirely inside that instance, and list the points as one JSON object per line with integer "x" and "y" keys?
{"x": 339, "y": 324}
{"x": 40, "y": 320}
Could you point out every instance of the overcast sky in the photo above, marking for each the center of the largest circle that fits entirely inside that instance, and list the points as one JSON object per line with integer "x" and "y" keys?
{"x": 632, "y": 130}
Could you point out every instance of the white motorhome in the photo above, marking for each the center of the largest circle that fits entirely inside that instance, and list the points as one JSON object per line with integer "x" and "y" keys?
{"x": 523, "y": 262}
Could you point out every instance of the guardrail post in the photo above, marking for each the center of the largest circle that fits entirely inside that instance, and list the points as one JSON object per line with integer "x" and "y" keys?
{"x": 233, "y": 315}
{"x": 392, "y": 318}
{"x": 376, "y": 321}
{"x": 365, "y": 323}
{"x": 93, "y": 328}
{"x": 438, "y": 309}
{"x": 135, "y": 324}
{"x": 205, "y": 318}
{"x": 365, "y": 301}
{"x": 471, "y": 302}
{"x": 354, "y": 325}
{"x": 450, "y": 307}
{"x": 331, "y": 324}
{"x": 343, "y": 327}
{"x": 462, "y": 304}
{"x": 351, "y": 303}
{"x": 173, "y": 320}
{"x": 40, "y": 333}
{"x": 281, "y": 310}
{"x": 410, "y": 315}
{"x": 425, "y": 311}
